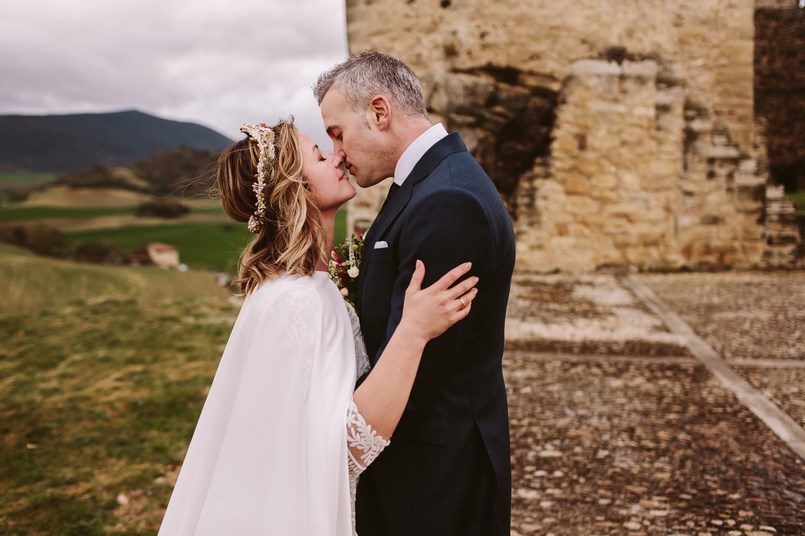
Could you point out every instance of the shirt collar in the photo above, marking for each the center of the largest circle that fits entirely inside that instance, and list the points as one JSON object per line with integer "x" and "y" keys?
{"x": 415, "y": 151}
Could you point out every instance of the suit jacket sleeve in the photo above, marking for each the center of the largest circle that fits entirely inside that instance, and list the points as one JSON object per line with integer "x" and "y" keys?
{"x": 444, "y": 229}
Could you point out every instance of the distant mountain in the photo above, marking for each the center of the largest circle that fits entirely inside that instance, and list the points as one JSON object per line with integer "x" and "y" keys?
{"x": 65, "y": 143}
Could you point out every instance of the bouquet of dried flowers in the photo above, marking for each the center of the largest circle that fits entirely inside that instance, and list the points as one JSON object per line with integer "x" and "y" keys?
{"x": 344, "y": 266}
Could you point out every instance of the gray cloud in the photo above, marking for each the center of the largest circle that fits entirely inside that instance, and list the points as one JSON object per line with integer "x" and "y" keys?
{"x": 215, "y": 62}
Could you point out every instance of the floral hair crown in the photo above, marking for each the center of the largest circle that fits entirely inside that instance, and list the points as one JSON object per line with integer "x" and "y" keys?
{"x": 264, "y": 136}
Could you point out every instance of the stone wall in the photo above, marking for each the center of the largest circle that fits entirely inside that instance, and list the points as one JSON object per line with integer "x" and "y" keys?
{"x": 776, "y": 4}
{"x": 706, "y": 43}
{"x": 783, "y": 231}
{"x": 595, "y": 207}
{"x": 618, "y": 132}
{"x": 639, "y": 176}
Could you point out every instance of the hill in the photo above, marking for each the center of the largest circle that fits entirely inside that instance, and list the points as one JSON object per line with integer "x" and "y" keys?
{"x": 66, "y": 143}
{"x": 180, "y": 171}
{"x": 33, "y": 283}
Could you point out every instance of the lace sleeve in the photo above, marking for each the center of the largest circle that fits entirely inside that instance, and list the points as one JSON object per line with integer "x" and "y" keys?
{"x": 363, "y": 443}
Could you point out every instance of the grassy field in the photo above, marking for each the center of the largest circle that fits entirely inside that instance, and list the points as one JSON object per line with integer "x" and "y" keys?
{"x": 340, "y": 231}
{"x": 15, "y": 186}
{"x": 98, "y": 402}
{"x": 209, "y": 245}
{"x": 30, "y": 178}
{"x": 18, "y": 213}
{"x": 213, "y": 245}
{"x": 64, "y": 196}
{"x": 30, "y": 283}
{"x": 103, "y": 371}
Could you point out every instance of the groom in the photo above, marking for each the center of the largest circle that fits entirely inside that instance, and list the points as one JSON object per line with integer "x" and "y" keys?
{"x": 447, "y": 470}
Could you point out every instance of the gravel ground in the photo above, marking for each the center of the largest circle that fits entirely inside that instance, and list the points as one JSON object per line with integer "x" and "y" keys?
{"x": 757, "y": 315}
{"x": 616, "y": 438}
{"x": 618, "y": 448}
{"x": 747, "y": 316}
{"x": 785, "y": 387}
{"x": 584, "y": 314}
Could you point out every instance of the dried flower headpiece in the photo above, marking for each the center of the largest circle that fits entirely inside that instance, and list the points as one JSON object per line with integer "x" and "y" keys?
{"x": 264, "y": 136}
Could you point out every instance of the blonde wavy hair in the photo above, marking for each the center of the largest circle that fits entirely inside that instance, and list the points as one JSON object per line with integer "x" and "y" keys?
{"x": 291, "y": 237}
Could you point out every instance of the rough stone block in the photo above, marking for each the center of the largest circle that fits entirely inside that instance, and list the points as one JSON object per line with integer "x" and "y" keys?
{"x": 576, "y": 185}
{"x": 595, "y": 68}
{"x": 603, "y": 195}
{"x": 580, "y": 205}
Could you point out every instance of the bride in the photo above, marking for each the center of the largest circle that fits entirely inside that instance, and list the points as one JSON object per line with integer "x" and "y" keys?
{"x": 283, "y": 435}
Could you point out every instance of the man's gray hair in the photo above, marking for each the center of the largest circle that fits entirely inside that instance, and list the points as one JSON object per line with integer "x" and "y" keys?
{"x": 369, "y": 74}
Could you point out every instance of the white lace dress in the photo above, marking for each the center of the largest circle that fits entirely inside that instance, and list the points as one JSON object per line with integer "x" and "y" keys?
{"x": 279, "y": 444}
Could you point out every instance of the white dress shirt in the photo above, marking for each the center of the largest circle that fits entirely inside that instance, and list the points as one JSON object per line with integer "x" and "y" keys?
{"x": 415, "y": 151}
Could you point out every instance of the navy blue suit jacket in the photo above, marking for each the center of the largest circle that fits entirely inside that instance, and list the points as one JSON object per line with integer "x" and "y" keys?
{"x": 447, "y": 470}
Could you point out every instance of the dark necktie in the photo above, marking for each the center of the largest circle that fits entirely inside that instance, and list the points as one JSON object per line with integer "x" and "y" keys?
{"x": 392, "y": 191}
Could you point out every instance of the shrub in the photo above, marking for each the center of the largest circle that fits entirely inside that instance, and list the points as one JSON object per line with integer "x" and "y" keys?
{"x": 37, "y": 237}
{"x": 163, "y": 209}
{"x": 185, "y": 170}
{"x": 97, "y": 252}
{"x": 8, "y": 197}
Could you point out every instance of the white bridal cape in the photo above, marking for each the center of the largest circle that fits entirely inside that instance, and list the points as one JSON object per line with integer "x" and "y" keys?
{"x": 270, "y": 454}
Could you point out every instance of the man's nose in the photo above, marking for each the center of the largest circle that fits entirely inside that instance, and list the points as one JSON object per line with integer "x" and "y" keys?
{"x": 338, "y": 159}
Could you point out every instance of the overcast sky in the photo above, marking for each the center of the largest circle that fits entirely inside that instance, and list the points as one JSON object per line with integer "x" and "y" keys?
{"x": 219, "y": 63}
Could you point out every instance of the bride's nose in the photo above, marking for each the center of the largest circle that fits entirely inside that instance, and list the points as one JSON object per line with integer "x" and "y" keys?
{"x": 337, "y": 160}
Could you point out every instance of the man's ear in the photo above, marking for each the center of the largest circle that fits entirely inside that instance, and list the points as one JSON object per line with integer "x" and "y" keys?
{"x": 380, "y": 108}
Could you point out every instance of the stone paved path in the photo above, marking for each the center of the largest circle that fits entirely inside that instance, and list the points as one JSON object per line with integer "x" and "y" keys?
{"x": 618, "y": 429}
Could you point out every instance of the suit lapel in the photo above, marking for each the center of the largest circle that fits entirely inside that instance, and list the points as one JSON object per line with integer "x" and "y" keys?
{"x": 446, "y": 146}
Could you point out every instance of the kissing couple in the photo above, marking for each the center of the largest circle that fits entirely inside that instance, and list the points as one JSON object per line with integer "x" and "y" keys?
{"x": 391, "y": 422}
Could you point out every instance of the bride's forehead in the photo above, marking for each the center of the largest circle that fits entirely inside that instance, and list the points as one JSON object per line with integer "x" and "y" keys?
{"x": 305, "y": 140}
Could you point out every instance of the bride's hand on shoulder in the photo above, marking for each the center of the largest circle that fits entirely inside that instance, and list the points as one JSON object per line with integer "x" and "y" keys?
{"x": 429, "y": 312}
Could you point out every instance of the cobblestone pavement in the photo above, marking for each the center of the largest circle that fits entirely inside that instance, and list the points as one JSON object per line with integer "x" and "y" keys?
{"x": 755, "y": 320}
{"x": 755, "y": 315}
{"x": 584, "y": 314}
{"x": 616, "y": 429}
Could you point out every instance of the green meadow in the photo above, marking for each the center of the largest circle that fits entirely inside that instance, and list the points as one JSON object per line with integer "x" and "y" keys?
{"x": 24, "y": 213}
{"x": 27, "y": 177}
{"x": 203, "y": 245}
{"x": 214, "y": 244}
{"x": 104, "y": 370}
{"x": 15, "y": 185}
{"x": 98, "y": 403}
{"x": 31, "y": 283}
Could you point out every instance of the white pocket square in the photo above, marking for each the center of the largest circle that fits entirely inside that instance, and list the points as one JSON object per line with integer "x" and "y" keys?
{"x": 380, "y": 244}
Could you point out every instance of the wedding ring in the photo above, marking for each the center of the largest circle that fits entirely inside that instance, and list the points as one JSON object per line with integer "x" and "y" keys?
{"x": 463, "y": 305}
